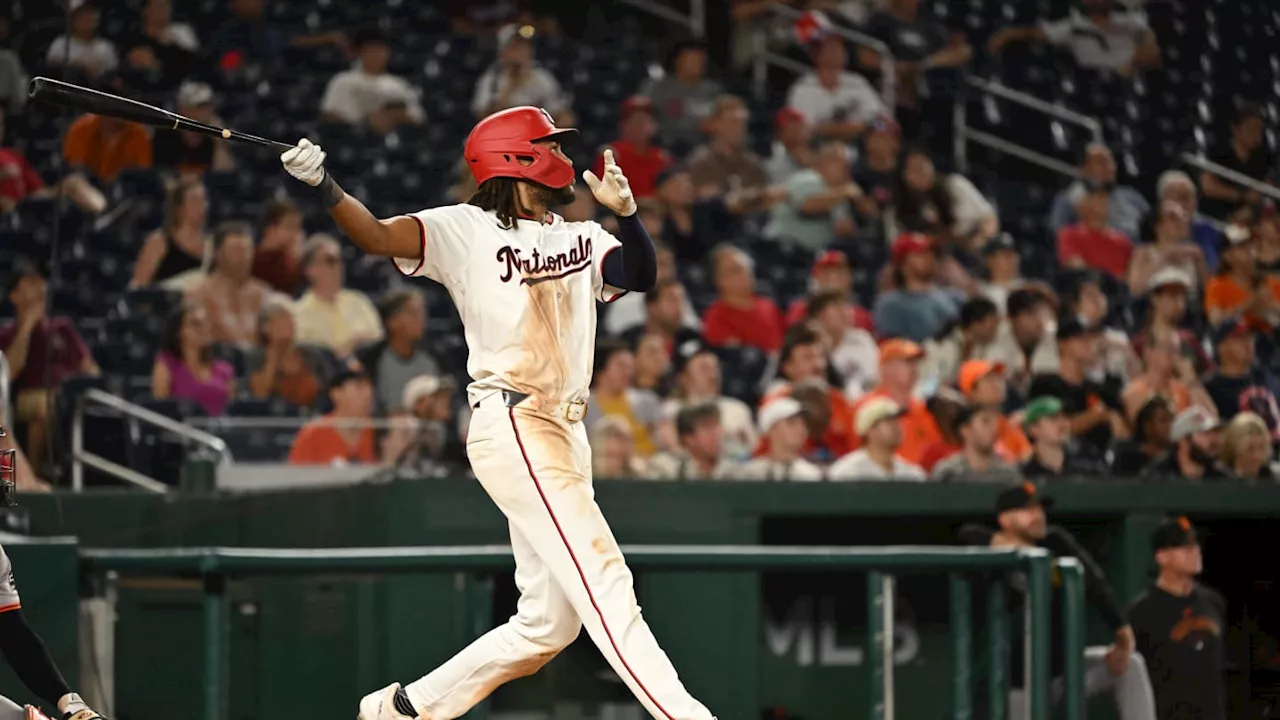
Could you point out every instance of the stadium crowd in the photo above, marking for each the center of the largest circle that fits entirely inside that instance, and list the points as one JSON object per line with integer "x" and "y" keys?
{"x": 916, "y": 347}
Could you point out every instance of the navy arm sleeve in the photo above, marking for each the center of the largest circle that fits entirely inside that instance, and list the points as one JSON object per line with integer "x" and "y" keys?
{"x": 635, "y": 265}
{"x": 30, "y": 660}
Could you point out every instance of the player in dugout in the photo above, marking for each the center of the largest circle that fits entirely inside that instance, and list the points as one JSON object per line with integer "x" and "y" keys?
{"x": 21, "y": 646}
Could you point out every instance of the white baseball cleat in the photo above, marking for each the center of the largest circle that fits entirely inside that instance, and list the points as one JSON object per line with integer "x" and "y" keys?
{"x": 380, "y": 705}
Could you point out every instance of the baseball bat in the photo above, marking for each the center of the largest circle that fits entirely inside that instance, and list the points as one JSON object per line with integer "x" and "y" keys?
{"x": 76, "y": 97}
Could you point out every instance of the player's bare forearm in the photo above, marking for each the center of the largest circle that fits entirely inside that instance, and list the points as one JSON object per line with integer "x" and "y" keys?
{"x": 394, "y": 237}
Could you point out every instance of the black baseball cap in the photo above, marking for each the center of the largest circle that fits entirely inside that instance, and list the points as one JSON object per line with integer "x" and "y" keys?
{"x": 1230, "y": 328}
{"x": 1022, "y": 495}
{"x": 1172, "y": 533}
{"x": 23, "y": 267}
{"x": 345, "y": 375}
{"x": 1071, "y": 327}
{"x": 1000, "y": 243}
{"x": 686, "y": 351}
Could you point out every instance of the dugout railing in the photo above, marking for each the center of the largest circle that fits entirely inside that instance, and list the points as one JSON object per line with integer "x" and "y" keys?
{"x": 964, "y": 567}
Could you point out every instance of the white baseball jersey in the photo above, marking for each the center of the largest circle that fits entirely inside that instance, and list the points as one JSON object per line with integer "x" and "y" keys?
{"x": 9, "y": 599}
{"x": 527, "y": 296}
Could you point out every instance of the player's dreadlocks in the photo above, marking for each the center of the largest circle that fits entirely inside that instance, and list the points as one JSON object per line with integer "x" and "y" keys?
{"x": 499, "y": 194}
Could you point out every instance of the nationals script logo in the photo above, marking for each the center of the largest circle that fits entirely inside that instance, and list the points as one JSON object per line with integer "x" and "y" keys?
{"x": 538, "y": 267}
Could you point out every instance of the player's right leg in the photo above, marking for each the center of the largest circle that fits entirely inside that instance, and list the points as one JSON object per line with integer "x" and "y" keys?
{"x": 10, "y": 710}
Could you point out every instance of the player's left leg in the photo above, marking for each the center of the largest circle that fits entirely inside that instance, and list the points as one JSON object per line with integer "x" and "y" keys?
{"x": 1132, "y": 688}
{"x": 10, "y": 710}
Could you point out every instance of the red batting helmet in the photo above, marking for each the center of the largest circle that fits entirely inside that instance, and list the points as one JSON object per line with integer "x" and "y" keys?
{"x": 497, "y": 143}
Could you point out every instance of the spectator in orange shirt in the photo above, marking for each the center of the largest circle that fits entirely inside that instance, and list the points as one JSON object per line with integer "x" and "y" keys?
{"x": 1237, "y": 288}
{"x": 899, "y": 370}
{"x": 343, "y": 436}
{"x": 634, "y": 148}
{"x": 945, "y": 407}
{"x": 1167, "y": 372}
{"x": 739, "y": 316}
{"x": 803, "y": 360}
{"x": 982, "y": 382}
{"x": 1091, "y": 243}
{"x": 104, "y": 146}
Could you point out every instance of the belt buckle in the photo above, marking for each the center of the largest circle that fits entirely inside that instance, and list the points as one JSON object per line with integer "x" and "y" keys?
{"x": 575, "y": 411}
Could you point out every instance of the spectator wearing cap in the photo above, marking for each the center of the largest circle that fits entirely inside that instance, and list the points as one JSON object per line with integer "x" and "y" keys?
{"x": 697, "y": 381}
{"x": 878, "y": 425}
{"x": 185, "y": 368}
{"x": 831, "y": 272}
{"x": 1092, "y": 408}
{"x": 329, "y": 314}
{"x": 42, "y": 352}
{"x": 1025, "y": 343}
{"x": 1245, "y": 153}
{"x": 877, "y": 167}
{"x": 631, "y": 310}
{"x": 1152, "y": 437}
{"x": 1177, "y": 187}
{"x": 230, "y": 295}
{"x": 1180, "y": 628}
{"x": 1003, "y": 264}
{"x": 947, "y": 207}
{"x": 343, "y": 436}
{"x": 1126, "y": 207}
{"x": 1090, "y": 242}
{"x": 1237, "y": 288}
{"x": 983, "y": 383}
{"x": 944, "y": 405}
{"x": 634, "y": 148}
{"x": 81, "y": 50}
{"x": 783, "y": 427}
{"x": 916, "y": 308}
{"x": 1165, "y": 371}
{"x": 103, "y": 147}
{"x": 1087, "y": 297}
{"x": 1247, "y": 449}
{"x": 818, "y": 209}
{"x": 1103, "y": 36}
{"x": 177, "y": 252}
{"x": 189, "y": 154}
{"x": 278, "y": 366}
{"x": 739, "y": 316}
{"x": 368, "y": 95}
{"x": 851, "y": 351}
{"x": 899, "y": 374}
{"x": 978, "y": 427}
{"x": 684, "y": 97}
{"x": 803, "y": 360}
{"x": 159, "y": 53}
{"x": 1051, "y": 453}
{"x": 516, "y": 79}
{"x": 840, "y": 103}
{"x": 1238, "y": 384}
{"x": 1118, "y": 668}
{"x": 435, "y": 446}
{"x": 1167, "y": 294}
{"x": 398, "y": 357}
{"x": 792, "y": 149}
{"x": 1197, "y": 440}
{"x": 664, "y": 307}
{"x": 701, "y": 455}
{"x": 1171, "y": 248}
{"x": 970, "y": 336}
{"x": 613, "y": 393}
{"x": 726, "y": 168}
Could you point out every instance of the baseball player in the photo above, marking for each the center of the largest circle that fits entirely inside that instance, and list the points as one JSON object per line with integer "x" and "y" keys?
{"x": 526, "y": 283}
{"x": 21, "y": 646}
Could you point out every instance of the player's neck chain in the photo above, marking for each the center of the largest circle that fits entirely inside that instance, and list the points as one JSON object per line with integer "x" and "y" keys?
{"x": 539, "y": 267}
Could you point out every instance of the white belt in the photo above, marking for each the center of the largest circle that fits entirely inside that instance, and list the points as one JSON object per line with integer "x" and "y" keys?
{"x": 569, "y": 411}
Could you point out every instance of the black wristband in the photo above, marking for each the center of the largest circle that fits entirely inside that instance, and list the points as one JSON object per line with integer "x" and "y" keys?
{"x": 329, "y": 192}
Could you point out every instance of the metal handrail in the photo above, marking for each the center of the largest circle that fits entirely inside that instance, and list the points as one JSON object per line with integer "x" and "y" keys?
{"x": 1204, "y": 163}
{"x": 696, "y": 20}
{"x": 965, "y": 135}
{"x": 4, "y": 391}
{"x": 764, "y": 58}
{"x": 81, "y": 457}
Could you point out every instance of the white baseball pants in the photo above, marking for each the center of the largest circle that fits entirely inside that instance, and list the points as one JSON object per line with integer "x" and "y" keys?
{"x": 569, "y": 569}
{"x": 10, "y": 710}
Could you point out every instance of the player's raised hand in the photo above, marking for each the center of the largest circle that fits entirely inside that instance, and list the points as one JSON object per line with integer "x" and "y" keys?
{"x": 613, "y": 190}
{"x": 305, "y": 162}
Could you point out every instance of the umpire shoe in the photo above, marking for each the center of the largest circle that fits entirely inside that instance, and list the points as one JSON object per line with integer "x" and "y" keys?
{"x": 389, "y": 703}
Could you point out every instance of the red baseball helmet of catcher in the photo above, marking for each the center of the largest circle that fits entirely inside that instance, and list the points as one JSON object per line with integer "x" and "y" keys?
{"x": 498, "y": 143}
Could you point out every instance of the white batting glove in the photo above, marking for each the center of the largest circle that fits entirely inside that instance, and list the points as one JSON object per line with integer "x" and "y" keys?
{"x": 614, "y": 191}
{"x": 305, "y": 162}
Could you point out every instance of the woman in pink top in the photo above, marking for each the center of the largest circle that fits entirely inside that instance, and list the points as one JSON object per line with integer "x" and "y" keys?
{"x": 185, "y": 368}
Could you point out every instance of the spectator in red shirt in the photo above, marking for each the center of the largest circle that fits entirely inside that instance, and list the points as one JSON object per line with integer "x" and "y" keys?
{"x": 634, "y": 148}
{"x": 739, "y": 316}
{"x": 831, "y": 272}
{"x": 1090, "y": 243}
{"x": 42, "y": 352}
{"x": 19, "y": 181}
